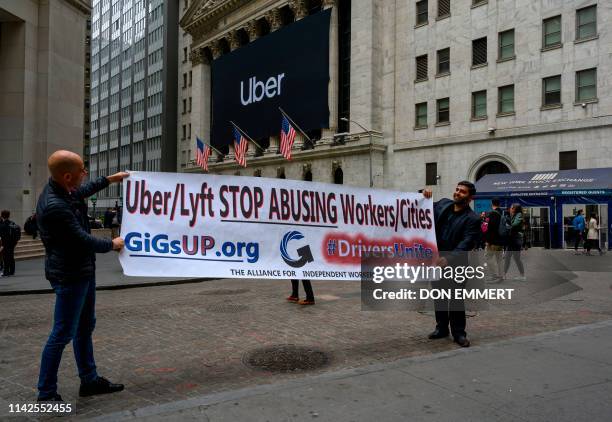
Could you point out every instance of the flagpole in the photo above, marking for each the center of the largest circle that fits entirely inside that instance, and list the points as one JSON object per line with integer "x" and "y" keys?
{"x": 247, "y": 136}
{"x": 215, "y": 149}
{"x": 296, "y": 125}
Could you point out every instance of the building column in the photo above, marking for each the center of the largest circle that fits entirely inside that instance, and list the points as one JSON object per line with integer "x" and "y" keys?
{"x": 201, "y": 93}
{"x": 252, "y": 29}
{"x": 334, "y": 68}
{"x": 274, "y": 19}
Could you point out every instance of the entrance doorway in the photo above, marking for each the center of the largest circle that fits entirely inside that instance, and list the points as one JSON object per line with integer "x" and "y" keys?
{"x": 491, "y": 167}
{"x": 538, "y": 230}
{"x": 571, "y": 210}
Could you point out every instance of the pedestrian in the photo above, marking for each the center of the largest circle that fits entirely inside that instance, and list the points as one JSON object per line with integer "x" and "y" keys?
{"x": 457, "y": 233}
{"x": 10, "y": 233}
{"x": 30, "y": 226}
{"x": 515, "y": 241}
{"x": 108, "y": 218}
{"x": 592, "y": 241}
{"x": 295, "y": 296}
{"x": 494, "y": 242}
{"x": 579, "y": 227}
{"x": 70, "y": 268}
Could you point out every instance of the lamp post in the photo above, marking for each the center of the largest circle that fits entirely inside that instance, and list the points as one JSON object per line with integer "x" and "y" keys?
{"x": 346, "y": 119}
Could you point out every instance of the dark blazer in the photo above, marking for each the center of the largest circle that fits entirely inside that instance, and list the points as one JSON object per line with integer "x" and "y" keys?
{"x": 64, "y": 229}
{"x": 464, "y": 234}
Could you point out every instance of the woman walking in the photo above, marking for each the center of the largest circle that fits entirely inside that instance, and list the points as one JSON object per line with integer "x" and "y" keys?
{"x": 593, "y": 235}
{"x": 515, "y": 243}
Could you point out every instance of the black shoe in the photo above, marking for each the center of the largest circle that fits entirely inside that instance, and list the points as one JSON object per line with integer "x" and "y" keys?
{"x": 100, "y": 386}
{"x": 438, "y": 334}
{"x": 55, "y": 397}
{"x": 462, "y": 341}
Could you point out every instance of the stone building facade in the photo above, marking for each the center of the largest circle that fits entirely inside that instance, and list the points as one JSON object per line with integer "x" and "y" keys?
{"x": 42, "y": 55}
{"x": 439, "y": 91}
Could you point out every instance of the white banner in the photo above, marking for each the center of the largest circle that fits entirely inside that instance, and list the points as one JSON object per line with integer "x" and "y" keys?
{"x": 198, "y": 225}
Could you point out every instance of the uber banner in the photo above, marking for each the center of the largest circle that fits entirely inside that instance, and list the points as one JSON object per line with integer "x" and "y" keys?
{"x": 199, "y": 225}
{"x": 288, "y": 68}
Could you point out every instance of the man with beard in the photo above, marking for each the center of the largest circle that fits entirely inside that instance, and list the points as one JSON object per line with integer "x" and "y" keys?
{"x": 457, "y": 233}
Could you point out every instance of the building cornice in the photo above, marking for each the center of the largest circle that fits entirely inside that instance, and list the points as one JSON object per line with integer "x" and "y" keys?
{"x": 83, "y": 6}
{"x": 203, "y": 12}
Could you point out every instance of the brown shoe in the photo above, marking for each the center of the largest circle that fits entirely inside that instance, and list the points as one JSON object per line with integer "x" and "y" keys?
{"x": 293, "y": 299}
{"x": 306, "y": 302}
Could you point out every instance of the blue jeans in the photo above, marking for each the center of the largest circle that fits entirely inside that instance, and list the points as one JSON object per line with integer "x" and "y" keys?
{"x": 74, "y": 320}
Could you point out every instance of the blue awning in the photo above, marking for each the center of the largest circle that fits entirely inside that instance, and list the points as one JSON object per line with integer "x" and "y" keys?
{"x": 555, "y": 183}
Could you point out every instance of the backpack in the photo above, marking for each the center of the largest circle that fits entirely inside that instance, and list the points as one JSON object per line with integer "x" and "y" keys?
{"x": 505, "y": 226}
{"x": 484, "y": 225}
{"x": 14, "y": 232}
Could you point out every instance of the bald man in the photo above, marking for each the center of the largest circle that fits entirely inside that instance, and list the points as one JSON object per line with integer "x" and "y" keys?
{"x": 70, "y": 251}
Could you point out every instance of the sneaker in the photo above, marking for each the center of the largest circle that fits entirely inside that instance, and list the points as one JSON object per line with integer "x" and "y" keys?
{"x": 55, "y": 397}
{"x": 293, "y": 299}
{"x": 306, "y": 302}
{"x": 100, "y": 386}
{"x": 520, "y": 278}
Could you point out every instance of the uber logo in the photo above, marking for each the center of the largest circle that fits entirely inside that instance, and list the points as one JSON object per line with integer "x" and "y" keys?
{"x": 257, "y": 89}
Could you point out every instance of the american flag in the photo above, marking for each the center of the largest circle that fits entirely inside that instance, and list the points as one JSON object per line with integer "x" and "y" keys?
{"x": 202, "y": 154}
{"x": 287, "y": 137}
{"x": 241, "y": 145}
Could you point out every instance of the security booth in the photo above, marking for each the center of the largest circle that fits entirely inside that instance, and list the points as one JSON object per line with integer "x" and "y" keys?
{"x": 551, "y": 200}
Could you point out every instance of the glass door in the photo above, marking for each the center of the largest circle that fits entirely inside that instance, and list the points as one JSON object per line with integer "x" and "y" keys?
{"x": 538, "y": 234}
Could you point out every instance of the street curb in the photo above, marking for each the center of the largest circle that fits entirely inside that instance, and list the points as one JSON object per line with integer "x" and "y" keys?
{"x": 113, "y": 287}
{"x": 225, "y": 396}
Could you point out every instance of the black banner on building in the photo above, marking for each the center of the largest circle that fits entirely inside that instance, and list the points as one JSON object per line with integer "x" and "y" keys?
{"x": 288, "y": 68}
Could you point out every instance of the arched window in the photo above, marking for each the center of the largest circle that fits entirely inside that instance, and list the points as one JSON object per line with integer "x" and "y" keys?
{"x": 338, "y": 176}
{"x": 491, "y": 167}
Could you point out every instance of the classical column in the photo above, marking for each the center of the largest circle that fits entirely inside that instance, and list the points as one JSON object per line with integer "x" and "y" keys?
{"x": 274, "y": 19}
{"x": 234, "y": 41}
{"x": 252, "y": 29}
{"x": 299, "y": 8}
{"x": 201, "y": 93}
{"x": 334, "y": 67}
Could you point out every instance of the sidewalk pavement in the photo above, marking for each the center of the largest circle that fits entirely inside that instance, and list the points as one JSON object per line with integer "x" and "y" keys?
{"x": 29, "y": 277}
{"x": 559, "y": 376}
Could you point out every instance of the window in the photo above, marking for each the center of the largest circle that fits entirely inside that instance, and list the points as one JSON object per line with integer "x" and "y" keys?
{"x": 506, "y": 45}
{"x": 421, "y": 12}
{"x": 586, "y": 85}
{"x": 479, "y": 2}
{"x": 421, "y": 68}
{"x": 184, "y": 106}
{"x": 184, "y": 80}
{"x": 551, "y": 88}
{"x": 443, "y": 61}
{"x": 506, "y": 99}
{"x": 190, "y": 104}
{"x": 479, "y": 52}
{"x": 190, "y": 78}
{"x": 443, "y": 110}
{"x": 479, "y": 105}
{"x": 443, "y": 8}
{"x": 184, "y": 54}
{"x": 421, "y": 115}
{"x": 184, "y": 132}
{"x": 431, "y": 174}
{"x": 551, "y": 32}
{"x": 586, "y": 23}
{"x": 568, "y": 160}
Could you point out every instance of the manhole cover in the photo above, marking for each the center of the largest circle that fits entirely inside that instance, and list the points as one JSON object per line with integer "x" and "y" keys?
{"x": 227, "y": 308}
{"x": 219, "y": 292}
{"x": 286, "y": 358}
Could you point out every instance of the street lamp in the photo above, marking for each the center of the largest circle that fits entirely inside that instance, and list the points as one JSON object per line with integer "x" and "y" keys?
{"x": 346, "y": 119}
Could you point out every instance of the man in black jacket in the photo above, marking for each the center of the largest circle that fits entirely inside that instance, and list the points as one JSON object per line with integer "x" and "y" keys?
{"x": 9, "y": 242}
{"x": 457, "y": 233}
{"x": 70, "y": 268}
{"x": 494, "y": 242}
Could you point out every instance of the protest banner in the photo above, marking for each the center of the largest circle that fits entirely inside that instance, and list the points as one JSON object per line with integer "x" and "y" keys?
{"x": 200, "y": 225}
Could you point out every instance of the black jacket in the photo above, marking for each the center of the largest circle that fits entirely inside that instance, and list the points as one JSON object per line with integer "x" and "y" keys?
{"x": 64, "y": 229}
{"x": 492, "y": 234}
{"x": 456, "y": 241}
{"x": 5, "y": 235}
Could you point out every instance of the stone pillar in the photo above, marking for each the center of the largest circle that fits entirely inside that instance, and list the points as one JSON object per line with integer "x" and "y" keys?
{"x": 252, "y": 29}
{"x": 334, "y": 68}
{"x": 274, "y": 19}
{"x": 299, "y": 9}
{"x": 201, "y": 93}
{"x": 234, "y": 41}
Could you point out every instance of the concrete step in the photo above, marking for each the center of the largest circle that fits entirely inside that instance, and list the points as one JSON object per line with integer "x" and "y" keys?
{"x": 32, "y": 255}
{"x": 30, "y": 248}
